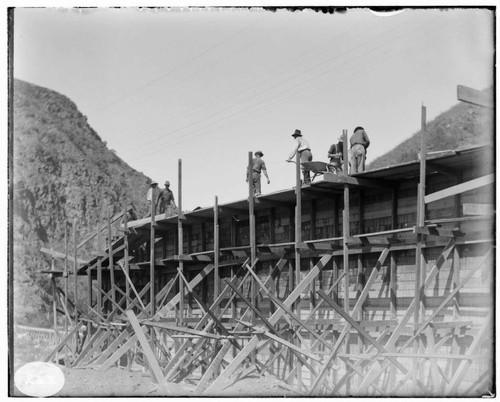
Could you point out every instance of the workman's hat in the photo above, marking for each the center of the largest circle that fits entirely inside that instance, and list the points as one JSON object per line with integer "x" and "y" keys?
{"x": 358, "y": 128}
{"x": 154, "y": 183}
{"x": 259, "y": 153}
{"x": 297, "y": 133}
{"x": 167, "y": 183}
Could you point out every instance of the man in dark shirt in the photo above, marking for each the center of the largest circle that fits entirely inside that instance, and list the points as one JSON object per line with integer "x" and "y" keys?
{"x": 258, "y": 166}
{"x": 336, "y": 155}
{"x": 166, "y": 201}
{"x": 359, "y": 143}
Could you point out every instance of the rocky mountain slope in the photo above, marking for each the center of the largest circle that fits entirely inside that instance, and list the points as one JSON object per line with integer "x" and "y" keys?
{"x": 461, "y": 126}
{"x": 61, "y": 171}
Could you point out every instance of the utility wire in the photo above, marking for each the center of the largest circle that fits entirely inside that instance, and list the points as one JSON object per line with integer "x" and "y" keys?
{"x": 269, "y": 89}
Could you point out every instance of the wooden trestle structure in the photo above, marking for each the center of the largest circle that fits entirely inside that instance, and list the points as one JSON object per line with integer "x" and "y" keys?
{"x": 352, "y": 293}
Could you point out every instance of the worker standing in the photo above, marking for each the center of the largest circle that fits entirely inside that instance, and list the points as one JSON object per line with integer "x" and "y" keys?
{"x": 336, "y": 155}
{"x": 359, "y": 143}
{"x": 166, "y": 201}
{"x": 258, "y": 166}
{"x": 302, "y": 147}
{"x": 153, "y": 190}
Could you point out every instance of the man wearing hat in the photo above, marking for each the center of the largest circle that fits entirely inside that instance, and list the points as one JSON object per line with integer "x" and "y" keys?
{"x": 258, "y": 166}
{"x": 359, "y": 143}
{"x": 153, "y": 190}
{"x": 336, "y": 155}
{"x": 166, "y": 201}
{"x": 302, "y": 147}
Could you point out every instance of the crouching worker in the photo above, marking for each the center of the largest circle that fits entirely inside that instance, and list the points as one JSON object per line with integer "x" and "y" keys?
{"x": 336, "y": 155}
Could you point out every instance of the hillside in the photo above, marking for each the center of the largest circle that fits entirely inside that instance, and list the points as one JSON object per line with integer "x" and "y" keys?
{"x": 62, "y": 170}
{"x": 463, "y": 125}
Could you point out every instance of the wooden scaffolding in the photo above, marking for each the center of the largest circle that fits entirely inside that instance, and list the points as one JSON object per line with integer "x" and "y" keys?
{"x": 340, "y": 315}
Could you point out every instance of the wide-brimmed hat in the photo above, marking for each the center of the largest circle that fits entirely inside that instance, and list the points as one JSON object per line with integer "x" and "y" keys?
{"x": 259, "y": 153}
{"x": 154, "y": 182}
{"x": 297, "y": 133}
{"x": 167, "y": 183}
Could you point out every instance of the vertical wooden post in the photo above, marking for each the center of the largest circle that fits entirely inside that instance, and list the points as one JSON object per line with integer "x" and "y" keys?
{"x": 110, "y": 257}
{"x": 54, "y": 297}
{"x": 66, "y": 273}
{"x": 291, "y": 238}
{"x": 335, "y": 220}
{"x": 456, "y": 281}
{"x": 99, "y": 269}
{"x": 251, "y": 213}
{"x": 75, "y": 267}
{"x": 180, "y": 243}
{"x": 298, "y": 225}
{"x": 216, "y": 254}
{"x": 346, "y": 233}
{"x": 419, "y": 260}
{"x": 152, "y": 293}
{"x": 126, "y": 255}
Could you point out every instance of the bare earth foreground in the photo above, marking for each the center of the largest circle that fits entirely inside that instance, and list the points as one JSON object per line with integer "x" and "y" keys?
{"x": 119, "y": 382}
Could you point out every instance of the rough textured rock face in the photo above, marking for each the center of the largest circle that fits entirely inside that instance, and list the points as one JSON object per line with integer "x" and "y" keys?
{"x": 62, "y": 171}
{"x": 461, "y": 126}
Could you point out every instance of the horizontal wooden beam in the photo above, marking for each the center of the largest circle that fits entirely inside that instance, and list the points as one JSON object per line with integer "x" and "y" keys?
{"x": 434, "y": 231}
{"x": 357, "y": 181}
{"x": 57, "y": 254}
{"x": 460, "y": 188}
{"x": 475, "y": 97}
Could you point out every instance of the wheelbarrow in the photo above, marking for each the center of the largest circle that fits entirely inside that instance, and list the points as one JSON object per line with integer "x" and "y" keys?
{"x": 318, "y": 167}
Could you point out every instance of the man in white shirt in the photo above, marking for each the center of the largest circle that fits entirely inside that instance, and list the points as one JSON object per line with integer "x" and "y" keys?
{"x": 302, "y": 147}
{"x": 153, "y": 189}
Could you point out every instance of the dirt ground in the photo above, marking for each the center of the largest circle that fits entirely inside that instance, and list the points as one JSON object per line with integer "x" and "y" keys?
{"x": 116, "y": 382}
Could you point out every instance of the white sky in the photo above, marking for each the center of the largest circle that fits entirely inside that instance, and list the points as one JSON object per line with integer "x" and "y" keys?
{"x": 209, "y": 85}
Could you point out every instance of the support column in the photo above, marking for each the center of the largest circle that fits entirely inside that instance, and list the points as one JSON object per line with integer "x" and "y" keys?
{"x": 66, "y": 274}
{"x": 180, "y": 245}
{"x": 251, "y": 224}
{"x": 216, "y": 255}
{"x": 127, "y": 264}
{"x": 346, "y": 233}
{"x": 75, "y": 268}
{"x": 298, "y": 225}
{"x": 419, "y": 260}
{"x": 110, "y": 257}
{"x": 152, "y": 295}
{"x": 99, "y": 270}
